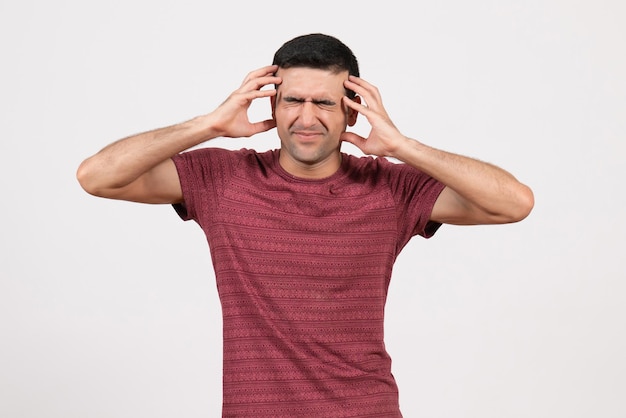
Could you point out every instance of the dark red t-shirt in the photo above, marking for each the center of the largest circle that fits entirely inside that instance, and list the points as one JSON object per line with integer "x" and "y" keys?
{"x": 302, "y": 269}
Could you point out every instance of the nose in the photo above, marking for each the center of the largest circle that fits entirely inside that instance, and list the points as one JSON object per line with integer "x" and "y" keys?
{"x": 308, "y": 115}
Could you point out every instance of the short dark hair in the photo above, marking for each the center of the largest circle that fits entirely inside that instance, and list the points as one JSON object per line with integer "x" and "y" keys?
{"x": 317, "y": 50}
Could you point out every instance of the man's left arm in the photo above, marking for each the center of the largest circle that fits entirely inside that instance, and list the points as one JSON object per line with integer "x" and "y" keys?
{"x": 476, "y": 192}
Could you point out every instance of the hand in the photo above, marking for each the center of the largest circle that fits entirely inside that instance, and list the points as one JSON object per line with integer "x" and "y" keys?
{"x": 231, "y": 117}
{"x": 384, "y": 138}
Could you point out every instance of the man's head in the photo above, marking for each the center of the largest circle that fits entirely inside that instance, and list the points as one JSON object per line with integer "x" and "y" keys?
{"x": 308, "y": 107}
{"x": 317, "y": 51}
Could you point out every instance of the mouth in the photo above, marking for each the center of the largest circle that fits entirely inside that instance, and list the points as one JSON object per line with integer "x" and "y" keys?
{"x": 307, "y": 139}
{"x": 307, "y": 136}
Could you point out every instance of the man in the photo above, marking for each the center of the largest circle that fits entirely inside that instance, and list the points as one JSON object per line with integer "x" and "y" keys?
{"x": 303, "y": 238}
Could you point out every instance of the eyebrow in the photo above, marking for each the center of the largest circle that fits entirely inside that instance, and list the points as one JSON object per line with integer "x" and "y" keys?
{"x": 292, "y": 99}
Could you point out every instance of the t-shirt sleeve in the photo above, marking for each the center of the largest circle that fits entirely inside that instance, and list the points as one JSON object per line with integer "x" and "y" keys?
{"x": 200, "y": 172}
{"x": 415, "y": 193}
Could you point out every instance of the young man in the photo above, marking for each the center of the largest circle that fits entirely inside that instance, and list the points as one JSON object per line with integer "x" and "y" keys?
{"x": 303, "y": 238}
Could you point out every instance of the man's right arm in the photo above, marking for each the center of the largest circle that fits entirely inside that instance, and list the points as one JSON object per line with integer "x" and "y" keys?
{"x": 140, "y": 168}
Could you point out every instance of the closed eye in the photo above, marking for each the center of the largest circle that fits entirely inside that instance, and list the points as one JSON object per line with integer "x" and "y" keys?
{"x": 318, "y": 102}
{"x": 328, "y": 103}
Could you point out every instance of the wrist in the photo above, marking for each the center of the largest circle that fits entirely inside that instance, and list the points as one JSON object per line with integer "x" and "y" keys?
{"x": 403, "y": 147}
{"x": 205, "y": 126}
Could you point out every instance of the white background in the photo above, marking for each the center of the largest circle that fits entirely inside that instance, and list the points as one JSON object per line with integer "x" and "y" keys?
{"x": 109, "y": 309}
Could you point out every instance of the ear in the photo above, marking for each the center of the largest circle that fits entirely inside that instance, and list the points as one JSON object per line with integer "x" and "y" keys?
{"x": 352, "y": 114}
{"x": 273, "y": 105}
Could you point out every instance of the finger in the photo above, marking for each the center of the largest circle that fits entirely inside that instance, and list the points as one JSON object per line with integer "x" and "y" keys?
{"x": 257, "y": 94}
{"x": 366, "y": 90}
{"x": 260, "y": 72}
{"x": 361, "y": 83}
{"x": 359, "y": 107}
{"x": 258, "y": 84}
{"x": 245, "y": 98}
{"x": 260, "y": 78}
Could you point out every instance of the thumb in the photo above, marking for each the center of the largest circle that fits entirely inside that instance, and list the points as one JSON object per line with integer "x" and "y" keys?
{"x": 265, "y": 125}
{"x": 352, "y": 138}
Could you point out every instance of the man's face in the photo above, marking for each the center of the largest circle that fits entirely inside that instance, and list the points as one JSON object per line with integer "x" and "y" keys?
{"x": 310, "y": 117}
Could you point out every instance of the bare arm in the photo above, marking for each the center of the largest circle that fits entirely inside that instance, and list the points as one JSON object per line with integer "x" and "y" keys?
{"x": 476, "y": 192}
{"x": 140, "y": 168}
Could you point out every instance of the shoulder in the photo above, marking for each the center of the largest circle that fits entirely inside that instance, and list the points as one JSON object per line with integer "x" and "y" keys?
{"x": 219, "y": 156}
{"x": 208, "y": 153}
{"x": 378, "y": 167}
{"x": 398, "y": 177}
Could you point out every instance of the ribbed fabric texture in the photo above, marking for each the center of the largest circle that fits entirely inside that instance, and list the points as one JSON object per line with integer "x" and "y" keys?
{"x": 302, "y": 270}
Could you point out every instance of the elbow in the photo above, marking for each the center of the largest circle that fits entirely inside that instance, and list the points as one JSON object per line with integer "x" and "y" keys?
{"x": 86, "y": 179}
{"x": 524, "y": 204}
{"x": 82, "y": 175}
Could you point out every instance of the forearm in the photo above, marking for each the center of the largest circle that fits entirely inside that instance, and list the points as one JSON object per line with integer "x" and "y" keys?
{"x": 123, "y": 161}
{"x": 484, "y": 192}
